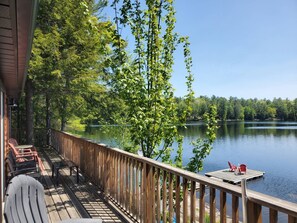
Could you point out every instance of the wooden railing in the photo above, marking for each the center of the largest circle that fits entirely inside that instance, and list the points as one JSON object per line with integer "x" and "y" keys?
{"x": 150, "y": 191}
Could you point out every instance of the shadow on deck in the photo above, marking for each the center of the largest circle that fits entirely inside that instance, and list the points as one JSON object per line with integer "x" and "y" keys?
{"x": 70, "y": 200}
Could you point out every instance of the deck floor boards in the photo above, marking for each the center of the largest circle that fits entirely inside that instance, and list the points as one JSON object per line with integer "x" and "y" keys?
{"x": 57, "y": 200}
{"x": 72, "y": 200}
{"x": 227, "y": 176}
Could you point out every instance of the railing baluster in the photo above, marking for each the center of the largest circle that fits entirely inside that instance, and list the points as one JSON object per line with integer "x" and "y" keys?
{"x": 170, "y": 197}
{"x": 149, "y": 194}
{"x": 153, "y": 193}
{"x": 141, "y": 209}
{"x": 193, "y": 201}
{"x": 164, "y": 190}
{"x": 223, "y": 209}
{"x": 143, "y": 197}
{"x": 250, "y": 210}
{"x": 127, "y": 197}
{"x": 134, "y": 170}
{"x": 292, "y": 219}
{"x": 235, "y": 214}
{"x": 202, "y": 203}
{"x": 137, "y": 190}
{"x": 117, "y": 176}
{"x": 158, "y": 196}
{"x": 212, "y": 205}
{"x": 185, "y": 200}
{"x": 109, "y": 171}
{"x": 115, "y": 172}
{"x": 121, "y": 179}
{"x": 254, "y": 212}
{"x": 103, "y": 170}
{"x": 258, "y": 213}
{"x": 100, "y": 168}
{"x": 177, "y": 195}
{"x": 273, "y": 216}
{"x": 130, "y": 186}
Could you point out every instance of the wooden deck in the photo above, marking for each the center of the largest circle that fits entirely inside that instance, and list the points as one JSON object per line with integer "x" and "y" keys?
{"x": 227, "y": 176}
{"x": 71, "y": 200}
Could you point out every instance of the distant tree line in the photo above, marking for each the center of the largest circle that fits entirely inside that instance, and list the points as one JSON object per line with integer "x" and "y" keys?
{"x": 243, "y": 109}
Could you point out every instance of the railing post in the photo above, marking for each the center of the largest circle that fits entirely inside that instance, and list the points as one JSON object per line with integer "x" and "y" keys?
{"x": 244, "y": 201}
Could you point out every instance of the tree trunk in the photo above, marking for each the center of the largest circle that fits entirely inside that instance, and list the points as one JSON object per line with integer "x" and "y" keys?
{"x": 64, "y": 106}
{"x": 29, "y": 113}
{"x": 63, "y": 123}
{"x": 48, "y": 117}
{"x": 63, "y": 114}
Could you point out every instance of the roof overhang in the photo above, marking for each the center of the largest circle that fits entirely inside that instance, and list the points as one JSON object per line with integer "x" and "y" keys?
{"x": 17, "y": 20}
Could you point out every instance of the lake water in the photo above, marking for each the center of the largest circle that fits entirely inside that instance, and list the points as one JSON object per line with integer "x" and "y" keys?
{"x": 265, "y": 146}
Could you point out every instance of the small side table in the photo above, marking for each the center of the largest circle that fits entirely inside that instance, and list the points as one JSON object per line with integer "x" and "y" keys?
{"x": 56, "y": 166}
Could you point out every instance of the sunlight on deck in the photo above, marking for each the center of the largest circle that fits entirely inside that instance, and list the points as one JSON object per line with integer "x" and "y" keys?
{"x": 72, "y": 200}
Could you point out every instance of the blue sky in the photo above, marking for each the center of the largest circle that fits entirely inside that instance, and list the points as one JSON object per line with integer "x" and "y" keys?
{"x": 240, "y": 48}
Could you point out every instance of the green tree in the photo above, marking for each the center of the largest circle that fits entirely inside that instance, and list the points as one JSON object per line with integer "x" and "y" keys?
{"x": 261, "y": 110}
{"x": 238, "y": 111}
{"x": 144, "y": 83}
{"x": 271, "y": 112}
{"x": 222, "y": 108}
{"x": 203, "y": 147}
{"x": 281, "y": 108}
{"x": 249, "y": 113}
{"x": 294, "y": 110}
{"x": 68, "y": 49}
{"x": 199, "y": 108}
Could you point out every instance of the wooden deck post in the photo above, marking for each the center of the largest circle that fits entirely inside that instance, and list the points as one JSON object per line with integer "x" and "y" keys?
{"x": 244, "y": 201}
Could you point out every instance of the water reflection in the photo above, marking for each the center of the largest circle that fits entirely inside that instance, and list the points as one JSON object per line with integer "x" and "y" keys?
{"x": 237, "y": 129}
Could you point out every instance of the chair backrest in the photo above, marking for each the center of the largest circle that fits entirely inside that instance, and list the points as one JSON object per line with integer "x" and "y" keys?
{"x": 24, "y": 201}
{"x": 242, "y": 168}
{"x": 12, "y": 147}
{"x": 16, "y": 151}
{"x": 13, "y": 141}
{"x": 231, "y": 166}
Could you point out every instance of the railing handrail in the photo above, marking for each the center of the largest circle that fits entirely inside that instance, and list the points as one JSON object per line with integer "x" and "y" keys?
{"x": 256, "y": 197}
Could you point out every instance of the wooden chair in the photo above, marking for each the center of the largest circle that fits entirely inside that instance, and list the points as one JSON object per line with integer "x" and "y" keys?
{"x": 24, "y": 202}
{"x": 232, "y": 167}
{"x": 21, "y": 148}
{"x": 13, "y": 141}
{"x": 242, "y": 168}
{"x": 23, "y": 154}
{"x": 26, "y": 166}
